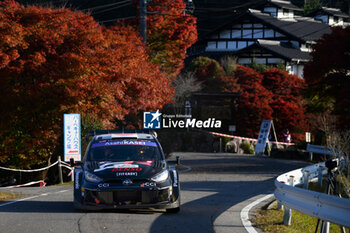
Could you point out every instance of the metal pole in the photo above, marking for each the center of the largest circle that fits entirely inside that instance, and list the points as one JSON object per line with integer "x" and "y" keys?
{"x": 72, "y": 175}
{"x": 325, "y": 228}
{"x": 274, "y": 131}
{"x": 143, "y": 20}
{"x": 287, "y": 217}
{"x": 311, "y": 156}
{"x": 279, "y": 205}
{"x": 306, "y": 175}
{"x": 60, "y": 170}
{"x": 220, "y": 149}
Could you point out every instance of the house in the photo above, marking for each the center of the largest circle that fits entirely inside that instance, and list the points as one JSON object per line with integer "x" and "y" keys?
{"x": 272, "y": 33}
{"x": 330, "y": 16}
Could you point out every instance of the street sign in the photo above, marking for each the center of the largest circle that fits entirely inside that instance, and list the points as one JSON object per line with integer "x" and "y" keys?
{"x": 72, "y": 140}
{"x": 263, "y": 136}
{"x": 308, "y": 137}
{"x": 232, "y": 128}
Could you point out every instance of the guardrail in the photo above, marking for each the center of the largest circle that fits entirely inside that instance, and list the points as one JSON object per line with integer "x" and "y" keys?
{"x": 320, "y": 205}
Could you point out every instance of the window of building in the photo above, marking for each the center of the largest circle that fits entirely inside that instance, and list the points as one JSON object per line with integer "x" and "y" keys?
{"x": 336, "y": 19}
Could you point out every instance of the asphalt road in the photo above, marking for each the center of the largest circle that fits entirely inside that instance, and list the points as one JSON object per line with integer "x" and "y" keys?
{"x": 213, "y": 184}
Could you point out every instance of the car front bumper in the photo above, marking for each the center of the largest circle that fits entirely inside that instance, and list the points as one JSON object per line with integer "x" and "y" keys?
{"x": 128, "y": 199}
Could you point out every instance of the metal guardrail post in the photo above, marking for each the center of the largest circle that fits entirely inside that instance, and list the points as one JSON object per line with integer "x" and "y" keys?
{"x": 325, "y": 227}
{"x": 311, "y": 156}
{"x": 60, "y": 170}
{"x": 279, "y": 205}
{"x": 306, "y": 175}
{"x": 287, "y": 217}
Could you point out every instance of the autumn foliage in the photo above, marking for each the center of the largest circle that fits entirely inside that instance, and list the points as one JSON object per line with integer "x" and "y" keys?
{"x": 170, "y": 32}
{"x": 287, "y": 101}
{"x": 55, "y": 61}
{"x": 270, "y": 94}
{"x": 254, "y": 103}
{"x": 328, "y": 75}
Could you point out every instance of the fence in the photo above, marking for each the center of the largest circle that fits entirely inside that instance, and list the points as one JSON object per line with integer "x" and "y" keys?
{"x": 41, "y": 182}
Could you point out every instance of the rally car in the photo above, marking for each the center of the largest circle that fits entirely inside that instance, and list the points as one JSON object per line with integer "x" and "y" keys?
{"x": 125, "y": 170}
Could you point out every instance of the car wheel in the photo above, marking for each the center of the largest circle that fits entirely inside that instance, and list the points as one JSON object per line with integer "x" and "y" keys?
{"x": 173, "y": 210}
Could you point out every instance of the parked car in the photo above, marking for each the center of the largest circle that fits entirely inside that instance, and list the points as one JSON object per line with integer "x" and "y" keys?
{"x": 125, "y": 170}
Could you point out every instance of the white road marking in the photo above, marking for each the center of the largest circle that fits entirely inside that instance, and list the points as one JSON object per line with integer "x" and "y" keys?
{"x": 29, "y": 198}
{"x": 245, "y": 213}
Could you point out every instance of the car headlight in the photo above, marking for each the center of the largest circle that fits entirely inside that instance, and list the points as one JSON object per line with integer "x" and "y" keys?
{"x": 91, "y": 177}
{"x": 161, "y": 177}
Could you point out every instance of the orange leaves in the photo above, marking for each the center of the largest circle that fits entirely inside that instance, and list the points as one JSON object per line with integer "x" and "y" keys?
{"x": 59, "y": 61}
{"x": 170, "y": 33}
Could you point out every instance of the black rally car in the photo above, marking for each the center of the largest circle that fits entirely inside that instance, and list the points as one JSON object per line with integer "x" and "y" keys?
{"x": 125, "y": 170}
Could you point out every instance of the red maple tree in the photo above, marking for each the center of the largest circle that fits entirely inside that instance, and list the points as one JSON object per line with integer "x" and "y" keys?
{"x": 55, "y": 61}
{"x": 170, "y": 32}
{"x": 286, "y": 101}
{"x": 254, "y": 103}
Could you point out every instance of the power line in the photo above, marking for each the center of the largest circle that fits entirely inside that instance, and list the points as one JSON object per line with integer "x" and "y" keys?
{"x": 106, "y": 5}
{"x": 116, "y": 19}
{"x": 109, "y": 9}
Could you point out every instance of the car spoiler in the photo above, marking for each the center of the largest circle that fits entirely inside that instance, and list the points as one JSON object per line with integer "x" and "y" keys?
{"x": 100, "y": 132}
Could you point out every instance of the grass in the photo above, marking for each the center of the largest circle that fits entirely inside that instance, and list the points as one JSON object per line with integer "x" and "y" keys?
{"x": 271, "y": 221}
{"x": 5, "y": 196}
{"x": 70, "y": 183}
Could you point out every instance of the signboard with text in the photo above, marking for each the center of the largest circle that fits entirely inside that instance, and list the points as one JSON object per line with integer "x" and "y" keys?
{"x": 263, "y": 136}
{"x": 72, "y": 141}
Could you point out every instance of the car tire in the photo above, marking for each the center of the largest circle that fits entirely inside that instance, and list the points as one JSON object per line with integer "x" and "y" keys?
{"x": 173, "y": 210}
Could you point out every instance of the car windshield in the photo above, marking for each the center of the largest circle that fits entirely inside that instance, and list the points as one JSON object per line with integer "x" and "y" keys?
{"x": 124, "y": 150}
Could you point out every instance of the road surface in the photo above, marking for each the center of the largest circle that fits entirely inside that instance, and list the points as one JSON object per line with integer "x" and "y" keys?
{"x": 210, "y": 185}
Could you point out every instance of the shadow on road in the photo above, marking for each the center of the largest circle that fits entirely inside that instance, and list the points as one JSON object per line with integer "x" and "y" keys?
{"x": 212, "y": 198}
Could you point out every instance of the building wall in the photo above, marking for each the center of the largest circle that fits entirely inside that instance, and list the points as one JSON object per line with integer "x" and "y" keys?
{"x": 330, "y": 20}
{"x": 285, "y": 14}
{"x": 240, "y": 36}
{"x": 297, "y": 69}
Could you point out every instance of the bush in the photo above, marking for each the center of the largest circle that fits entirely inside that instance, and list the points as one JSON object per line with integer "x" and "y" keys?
{"x": 246, "y": 147}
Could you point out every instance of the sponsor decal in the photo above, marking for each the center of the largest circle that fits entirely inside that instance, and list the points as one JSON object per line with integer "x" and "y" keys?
{"x": 152, "y": 120}
{"x": 129, "y": 169}
{"x": 104, "y": 185}
{"x": 127, "y": 182}
{"x": 116, "y": 165}
{"x": 76, "y": 184}
{"x": 126, "y": 174}
{"x": 148, "y": 184}
{"x": 123, "y": 142}
{"x": 147, "y": 163}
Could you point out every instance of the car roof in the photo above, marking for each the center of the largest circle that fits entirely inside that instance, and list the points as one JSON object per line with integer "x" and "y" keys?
{"x": 124, "y": 136}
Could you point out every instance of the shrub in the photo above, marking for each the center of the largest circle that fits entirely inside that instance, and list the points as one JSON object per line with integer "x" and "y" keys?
{"x": 246, "y": 147}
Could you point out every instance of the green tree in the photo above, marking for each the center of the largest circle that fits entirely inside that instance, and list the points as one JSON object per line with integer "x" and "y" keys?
{"x": 311, "y": 5}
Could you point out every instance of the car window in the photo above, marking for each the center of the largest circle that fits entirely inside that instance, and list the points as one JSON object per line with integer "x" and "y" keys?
{"x": 124, "y": 150}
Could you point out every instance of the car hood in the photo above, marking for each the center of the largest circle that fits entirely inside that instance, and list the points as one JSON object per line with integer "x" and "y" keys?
{"x": 128, "y": 169}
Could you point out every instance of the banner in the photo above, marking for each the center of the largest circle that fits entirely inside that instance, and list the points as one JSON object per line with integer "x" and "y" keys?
{"x": 263, "y": 136}
{"x": 72, "y": 139}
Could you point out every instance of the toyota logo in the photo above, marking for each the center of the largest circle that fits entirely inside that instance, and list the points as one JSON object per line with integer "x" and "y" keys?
{"x": 127, "y": 182}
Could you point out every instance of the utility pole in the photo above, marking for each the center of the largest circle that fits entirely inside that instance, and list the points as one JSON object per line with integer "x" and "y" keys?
{"x": 143, "y": 20}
